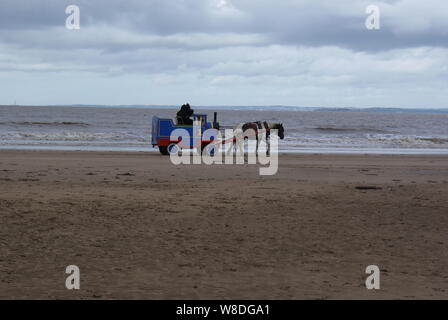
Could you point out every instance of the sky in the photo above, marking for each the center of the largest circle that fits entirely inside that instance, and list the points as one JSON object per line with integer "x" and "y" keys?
{"x": 314, "y": 53}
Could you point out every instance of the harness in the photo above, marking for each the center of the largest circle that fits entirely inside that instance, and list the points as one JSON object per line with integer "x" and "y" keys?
{"x": 260, "y": 126}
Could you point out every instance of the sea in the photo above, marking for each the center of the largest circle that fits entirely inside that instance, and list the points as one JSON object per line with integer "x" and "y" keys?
{"x": 307, "y": 130}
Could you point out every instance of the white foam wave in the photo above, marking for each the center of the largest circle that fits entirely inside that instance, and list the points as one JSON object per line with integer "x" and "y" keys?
{"x": 71, "y": 136}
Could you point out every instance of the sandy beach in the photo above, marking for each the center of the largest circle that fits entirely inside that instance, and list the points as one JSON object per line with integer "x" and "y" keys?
{"x": 139, "y": 227}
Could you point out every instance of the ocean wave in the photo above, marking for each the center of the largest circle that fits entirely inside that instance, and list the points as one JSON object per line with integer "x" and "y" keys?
{"x": 72, "y": 136}
{"x": 295, "y": 138}
{"x": 388, "y": 141}
{"x": 435, "y": 140}
{"x": 354, "y": 130}
{"x": 39, "y": 123}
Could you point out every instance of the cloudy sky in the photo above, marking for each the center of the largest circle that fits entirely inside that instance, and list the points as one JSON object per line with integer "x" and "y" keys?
{"x": 225, "y": 52}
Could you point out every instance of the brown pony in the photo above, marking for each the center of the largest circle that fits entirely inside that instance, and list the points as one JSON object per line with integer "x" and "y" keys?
{"x": 257, "y": 130}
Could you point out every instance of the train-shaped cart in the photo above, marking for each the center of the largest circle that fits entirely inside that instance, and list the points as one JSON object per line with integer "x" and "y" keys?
{"x": 163, "y": 127}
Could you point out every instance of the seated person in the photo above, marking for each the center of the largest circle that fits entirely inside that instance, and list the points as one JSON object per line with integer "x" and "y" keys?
{"x": 184, "y": 114}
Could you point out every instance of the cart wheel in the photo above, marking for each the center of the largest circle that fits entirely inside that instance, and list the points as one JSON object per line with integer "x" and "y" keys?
{"x": 173, "y": 148}
{"x": 209, "y": 149}
{"x": 164, "y": 150}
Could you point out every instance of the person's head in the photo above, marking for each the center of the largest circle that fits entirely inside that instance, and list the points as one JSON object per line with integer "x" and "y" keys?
{"x": 189, "y": 110}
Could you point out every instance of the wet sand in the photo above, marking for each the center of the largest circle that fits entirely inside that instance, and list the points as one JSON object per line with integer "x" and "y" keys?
{"x": 139, "y": 227}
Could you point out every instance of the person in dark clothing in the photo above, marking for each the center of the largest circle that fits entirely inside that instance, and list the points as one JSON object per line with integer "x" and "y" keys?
{"x": 184, "y": 115}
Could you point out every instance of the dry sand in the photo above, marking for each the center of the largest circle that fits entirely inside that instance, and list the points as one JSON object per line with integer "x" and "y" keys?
{"x": 139, "y": 227}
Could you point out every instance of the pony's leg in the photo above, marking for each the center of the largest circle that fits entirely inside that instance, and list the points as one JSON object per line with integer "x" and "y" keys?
{"x": 229, "y": 149}
{"x": 235, "y": 140}
{"x": 256, "y": 147}
{"x": 230, "y": 140}
{"x": 241, "y": 146}
{"x": 238, "y": 145}
{"x": 268, "y": 146}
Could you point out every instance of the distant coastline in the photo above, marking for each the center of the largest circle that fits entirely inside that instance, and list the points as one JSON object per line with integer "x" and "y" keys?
{"x": 256, "y": 108}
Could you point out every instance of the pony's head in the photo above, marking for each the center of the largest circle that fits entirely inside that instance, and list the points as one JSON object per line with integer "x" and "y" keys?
{"x": 281, "y": 130}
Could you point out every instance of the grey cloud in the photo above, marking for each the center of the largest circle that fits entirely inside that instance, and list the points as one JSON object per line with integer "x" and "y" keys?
{"x": 289, "y": 51}
{"x": 288, "y": 22}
